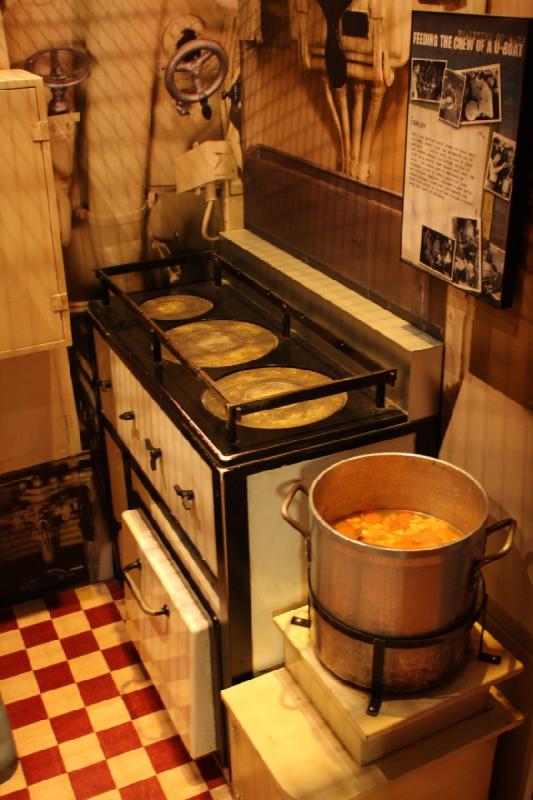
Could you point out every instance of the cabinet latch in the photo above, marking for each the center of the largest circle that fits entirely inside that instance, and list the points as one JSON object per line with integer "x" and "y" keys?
{"x": 59, "y": 302}
{"x": 40, "y": 131}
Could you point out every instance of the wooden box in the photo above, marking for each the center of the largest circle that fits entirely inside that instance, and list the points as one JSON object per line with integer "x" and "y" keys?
{"x": 282, "y": 748}
{"x": 403, "y": 719}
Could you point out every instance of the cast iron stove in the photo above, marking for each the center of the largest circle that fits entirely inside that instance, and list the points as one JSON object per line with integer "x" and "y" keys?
{"x": 248, "y": 373}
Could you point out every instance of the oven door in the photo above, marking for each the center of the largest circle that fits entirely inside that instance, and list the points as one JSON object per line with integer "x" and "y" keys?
{"x": 171, "y": 631}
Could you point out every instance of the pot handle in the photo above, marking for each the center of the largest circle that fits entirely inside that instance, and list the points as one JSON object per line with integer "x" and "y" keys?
{"x": 498, "y": 526}
{"x": 297, "y": 487}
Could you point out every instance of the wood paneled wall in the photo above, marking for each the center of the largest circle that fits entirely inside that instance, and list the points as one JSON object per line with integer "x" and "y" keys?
{"x": 347, "y": 229}
{"x": 286, "y": 106}
{"x": 502, "y": 341}
{"x": 285, "y": 109}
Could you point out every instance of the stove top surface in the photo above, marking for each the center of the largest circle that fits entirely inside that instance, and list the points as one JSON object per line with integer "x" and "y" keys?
{"x": 240, "y": 340}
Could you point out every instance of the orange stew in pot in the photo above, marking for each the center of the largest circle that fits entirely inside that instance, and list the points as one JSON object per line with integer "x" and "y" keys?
{"x": 402, "y": 530}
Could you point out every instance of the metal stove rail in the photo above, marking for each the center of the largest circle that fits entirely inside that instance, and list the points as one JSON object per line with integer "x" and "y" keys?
{"x": 376, "y": 376}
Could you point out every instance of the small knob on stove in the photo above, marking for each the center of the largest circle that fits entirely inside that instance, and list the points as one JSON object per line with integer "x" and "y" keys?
{"x": 127, "y": 415}
{"x": 155, "y": 453}
{"x": 187, "y": 496}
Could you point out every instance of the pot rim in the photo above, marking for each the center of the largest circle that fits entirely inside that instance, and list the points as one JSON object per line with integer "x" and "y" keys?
{"x": 394, "y": 552}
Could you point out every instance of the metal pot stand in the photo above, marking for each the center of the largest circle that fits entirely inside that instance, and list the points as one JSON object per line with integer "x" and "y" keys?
{"x": 381, "y": 643}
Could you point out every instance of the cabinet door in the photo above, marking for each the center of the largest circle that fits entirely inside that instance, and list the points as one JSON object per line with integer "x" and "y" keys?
{"x": 33, "y": 302}
{"x": 172, "y": 633}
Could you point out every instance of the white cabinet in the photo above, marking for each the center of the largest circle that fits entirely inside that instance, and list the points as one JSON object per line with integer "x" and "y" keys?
{"x": 33, "y": 301}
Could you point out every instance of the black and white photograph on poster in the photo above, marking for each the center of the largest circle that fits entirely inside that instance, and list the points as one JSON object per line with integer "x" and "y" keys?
{"x": 451, "y": 101}
{"x": 437, "y": 251}
{"x": 466, "y": 264}
{"x": 462, "y": 154}
{"x": 482, "y": 101}
{"x": 500, "y": 166}
{"x": 426, "y": 79}
{"x": 493, "y": 266}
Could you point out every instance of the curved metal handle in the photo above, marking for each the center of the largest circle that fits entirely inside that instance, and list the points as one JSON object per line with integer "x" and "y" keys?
{"x": 297, "y": 487}
{"x": 187, "y": 496}
{"x": 155, "y": 453}
{"x": 152, "y": 612}
{"x": 498, "y": 526}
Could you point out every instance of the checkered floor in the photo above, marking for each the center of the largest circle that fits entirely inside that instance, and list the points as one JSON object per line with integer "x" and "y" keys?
{"x": 86, "y": 720}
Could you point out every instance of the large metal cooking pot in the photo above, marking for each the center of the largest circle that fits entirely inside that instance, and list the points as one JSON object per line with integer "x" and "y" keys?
{"x": 384, "y": 592}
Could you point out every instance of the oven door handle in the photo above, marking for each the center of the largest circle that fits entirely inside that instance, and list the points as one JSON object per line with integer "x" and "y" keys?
{"x": 153, "y": 612}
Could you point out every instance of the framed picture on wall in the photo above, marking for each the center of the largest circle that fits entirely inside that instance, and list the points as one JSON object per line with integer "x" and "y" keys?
{"x": 464, "y": 147}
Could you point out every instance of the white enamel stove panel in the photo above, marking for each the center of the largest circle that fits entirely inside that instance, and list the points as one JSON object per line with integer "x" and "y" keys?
{"x": 179, "y": 465}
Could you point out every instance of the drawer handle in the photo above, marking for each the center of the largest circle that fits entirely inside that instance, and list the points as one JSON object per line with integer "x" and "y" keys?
{"x": 105, "y": 386}
{"x": 155, "y": 453}
{"x": 127, "y": 415}
{"x": 153, "y": 612}
{"x": 187, "y": 496}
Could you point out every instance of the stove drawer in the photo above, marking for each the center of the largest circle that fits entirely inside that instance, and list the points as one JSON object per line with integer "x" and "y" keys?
{"x": 172, "y": 633}
{"x": 178, "y": 473}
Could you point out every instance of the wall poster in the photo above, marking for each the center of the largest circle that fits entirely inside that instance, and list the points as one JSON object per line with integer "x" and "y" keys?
{"x": 465, "y": 93}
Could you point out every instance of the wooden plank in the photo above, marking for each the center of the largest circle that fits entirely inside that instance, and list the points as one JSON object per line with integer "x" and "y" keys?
{"x": 502, "y": 348}
{"x": 491, "y": 437}
{"x": 249, "y": 21}
{"x": 510, "y": 8}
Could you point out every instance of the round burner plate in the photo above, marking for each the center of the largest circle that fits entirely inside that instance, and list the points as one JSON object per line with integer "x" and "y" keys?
{"x": 252, "y": 384}
{"x": 174, "y": 306}
{"x": 221, "y": 342}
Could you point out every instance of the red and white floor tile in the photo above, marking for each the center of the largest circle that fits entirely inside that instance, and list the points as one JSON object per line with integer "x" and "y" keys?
{"x": 86, "y": 720}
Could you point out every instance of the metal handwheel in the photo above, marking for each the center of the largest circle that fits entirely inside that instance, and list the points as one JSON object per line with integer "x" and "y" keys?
{"x": 63, "y": 67}
{"x": 191, "y": 59}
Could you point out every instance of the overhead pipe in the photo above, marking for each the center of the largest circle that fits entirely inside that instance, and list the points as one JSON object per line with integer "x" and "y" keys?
{"x": 123, "y": 38}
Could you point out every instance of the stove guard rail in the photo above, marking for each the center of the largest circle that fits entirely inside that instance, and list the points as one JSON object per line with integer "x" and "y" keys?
{"x": 376, "y": 377}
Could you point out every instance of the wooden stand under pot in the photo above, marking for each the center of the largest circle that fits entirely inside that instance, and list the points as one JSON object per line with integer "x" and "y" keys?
{"x": 300, "y": 732}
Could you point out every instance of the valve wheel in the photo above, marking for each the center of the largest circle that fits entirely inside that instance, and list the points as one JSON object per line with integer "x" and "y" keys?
{"x": 191, "y": 59}
{"x": 58, "y": 75}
